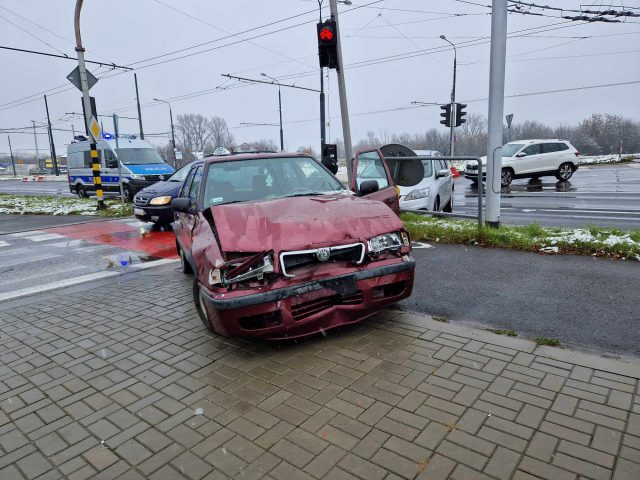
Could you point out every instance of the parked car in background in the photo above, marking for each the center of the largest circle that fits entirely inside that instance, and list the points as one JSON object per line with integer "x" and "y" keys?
{"x": 140, "y": 166}
{"x": 532, "y": 159}
{"x": 281, "y": 249}
{"x": 153, "y": 204}
{"x": 435, "y": 191}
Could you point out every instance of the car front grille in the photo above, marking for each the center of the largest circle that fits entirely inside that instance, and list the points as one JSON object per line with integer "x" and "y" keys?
{"x": 153, "y": 178}
{"x": 472, "y": 167}
{"x": 353, "y": 253}
{"x": 312, "y": 307}
{"x": 141, "y": 201}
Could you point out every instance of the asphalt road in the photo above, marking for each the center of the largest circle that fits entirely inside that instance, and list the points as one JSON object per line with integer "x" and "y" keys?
{"x": 586, "y": 302}
{"x": 596, "y": 195}
{"x": 22, "y": 223}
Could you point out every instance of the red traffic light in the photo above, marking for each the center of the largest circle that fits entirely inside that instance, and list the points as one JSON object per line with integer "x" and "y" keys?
{"x": 326, "y": 34}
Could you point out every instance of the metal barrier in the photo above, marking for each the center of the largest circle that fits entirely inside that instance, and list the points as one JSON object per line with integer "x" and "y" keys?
{"x": 478, "y": 160}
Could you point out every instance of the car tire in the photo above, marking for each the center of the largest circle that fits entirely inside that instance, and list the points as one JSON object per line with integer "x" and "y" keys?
{"x": 197, "y": 299}
{"x": 128, "y": 194}
{"x": 81, "y": 191}
{"x": 565, "y": 171}
{"x": 507, "y": 177}
{"x": 436, "y": 204}
{"x": 448, "y": 208}
{"x": 185, "y": 266}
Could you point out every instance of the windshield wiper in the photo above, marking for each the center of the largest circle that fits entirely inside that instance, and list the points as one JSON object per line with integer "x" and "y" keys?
{"x": 305, "y": 194}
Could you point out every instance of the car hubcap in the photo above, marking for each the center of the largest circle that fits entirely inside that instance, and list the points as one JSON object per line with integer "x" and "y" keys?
{"x": 506, "y": 177}
{"x": 565, "y": 171}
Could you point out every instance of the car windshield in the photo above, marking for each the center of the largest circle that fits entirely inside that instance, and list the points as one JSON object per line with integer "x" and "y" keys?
{"x": 138, "y": 156}
{"x": 265, "y": 179}
{"x": 510, "y": 149}
{"x": 180, "y": 175}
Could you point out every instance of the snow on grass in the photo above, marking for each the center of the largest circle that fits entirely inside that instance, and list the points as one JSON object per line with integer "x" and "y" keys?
{"x": 50, "y": 205}
{"x": 596, "y": 241}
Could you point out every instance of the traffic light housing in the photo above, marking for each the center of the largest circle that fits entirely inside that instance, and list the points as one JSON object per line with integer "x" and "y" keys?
{"x": 446, "y": 114}
{"x": 328, "y": 44}
{"x": 330, "y": 157}
{"x": 460, "y": 114}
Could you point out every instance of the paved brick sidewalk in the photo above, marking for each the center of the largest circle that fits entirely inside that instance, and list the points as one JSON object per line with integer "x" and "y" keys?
{"x": 138, "y": 389}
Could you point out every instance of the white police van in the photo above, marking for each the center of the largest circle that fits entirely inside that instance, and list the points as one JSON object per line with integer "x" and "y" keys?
{"x": 140, "y": 165}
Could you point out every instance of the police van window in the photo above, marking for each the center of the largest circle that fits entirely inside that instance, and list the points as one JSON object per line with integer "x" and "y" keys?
{"x": 110, "y": 160}
{"x": 195, "y": 186}
{"x": 88, "y": 161}
{"x": 75, "y": 160}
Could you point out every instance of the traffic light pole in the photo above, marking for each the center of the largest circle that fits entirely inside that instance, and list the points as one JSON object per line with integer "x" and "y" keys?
{"x": 454, "y": 113}
{"x": 52, "y": 145}
{"x": 496, "y": 110}
{"x": 135, "y": 79}
{"x": 344, "y": 108}
{"x": 323, "y": 121}
{"x": 88, "y": 112}
{"x": 13, "y": 163}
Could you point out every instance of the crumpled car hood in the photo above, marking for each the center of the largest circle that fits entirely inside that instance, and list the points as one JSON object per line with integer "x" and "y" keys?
{"x": 301, "y": 223}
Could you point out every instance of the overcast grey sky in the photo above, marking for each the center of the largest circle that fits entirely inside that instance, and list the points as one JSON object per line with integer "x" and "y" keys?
{"x": 552, "y": 54}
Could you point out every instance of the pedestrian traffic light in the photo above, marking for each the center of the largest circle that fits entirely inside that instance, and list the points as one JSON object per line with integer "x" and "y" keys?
{"x": 328, "y": 44}
{"x": 460, "y": 113}
{"x": 330, "y": 157}
{"x": 446, "y": 114}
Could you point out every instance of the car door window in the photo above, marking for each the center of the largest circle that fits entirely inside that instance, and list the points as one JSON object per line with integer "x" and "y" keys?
{"x": 184, "y": 192}
{"x": 195, "y": 186}
{"x": 550, "y": 147}
{"x": 371, "y": 167}
{"x": 562, "y": 147}
{"x": 532, "y": 149}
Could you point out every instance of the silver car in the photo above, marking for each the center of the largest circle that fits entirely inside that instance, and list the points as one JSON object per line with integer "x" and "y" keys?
{"x": 435, "y": 191}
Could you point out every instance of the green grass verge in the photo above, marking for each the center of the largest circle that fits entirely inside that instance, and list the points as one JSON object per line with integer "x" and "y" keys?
{"x": 547, "y": 342}
{"x": 53, "y": 205}
{"x": 593, "y": 240}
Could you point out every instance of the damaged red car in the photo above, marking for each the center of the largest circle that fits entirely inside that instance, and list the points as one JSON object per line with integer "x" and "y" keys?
{"x": 280, "y": 248}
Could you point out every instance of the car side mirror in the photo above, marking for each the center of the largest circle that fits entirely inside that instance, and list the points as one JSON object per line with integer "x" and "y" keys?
{"x": 443, "y": 173}
{"x": 181, "y": 205}
{"x": 368, "y": 186}
{"x": 521, "y": 154}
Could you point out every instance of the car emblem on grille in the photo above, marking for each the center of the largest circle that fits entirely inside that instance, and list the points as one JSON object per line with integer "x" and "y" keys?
{"x": 323, "y": 254}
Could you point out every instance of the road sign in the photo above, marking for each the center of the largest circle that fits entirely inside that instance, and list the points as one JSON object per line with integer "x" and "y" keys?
{"x": 178, "y": 155}
{"x": 74, "y": 78}
{"x": 509, "y": 119}
{"x": 94, "y": 129}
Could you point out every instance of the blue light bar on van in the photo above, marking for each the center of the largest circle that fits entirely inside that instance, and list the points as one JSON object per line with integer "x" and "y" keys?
{"x": 107, "y": 136}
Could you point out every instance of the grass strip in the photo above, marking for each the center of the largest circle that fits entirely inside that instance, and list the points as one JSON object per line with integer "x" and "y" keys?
{"x": 54, "y": 205}
{"x": 593, "y": 240}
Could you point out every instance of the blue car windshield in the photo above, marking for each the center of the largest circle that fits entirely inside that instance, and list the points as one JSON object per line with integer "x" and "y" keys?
{"x": 139, "y": 156}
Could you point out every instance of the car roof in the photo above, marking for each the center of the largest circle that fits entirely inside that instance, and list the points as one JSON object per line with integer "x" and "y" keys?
{"x": 540, "y": 140}
{"x": 252, "y": 156}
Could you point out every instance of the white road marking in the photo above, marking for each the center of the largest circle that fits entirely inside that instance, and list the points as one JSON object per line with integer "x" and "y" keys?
{"x": 23, "y": 292}
{"x": 4, "y": 244}
{"x": 50, "y": 272}
{"x": 68, "y": 243}
{"x": 421, "y": 245}
{"x": 44, "y": 237}
{"x": 23, "y": 260}
{"x": 28, "y": 234}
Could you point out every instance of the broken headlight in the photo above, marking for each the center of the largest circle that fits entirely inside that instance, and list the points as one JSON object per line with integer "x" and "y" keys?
{"x": 253, "y": 268}
{"x": 388, "y": 241}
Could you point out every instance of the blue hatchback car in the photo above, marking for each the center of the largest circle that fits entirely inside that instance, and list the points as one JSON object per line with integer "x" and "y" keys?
{"x": 153, "y": 204}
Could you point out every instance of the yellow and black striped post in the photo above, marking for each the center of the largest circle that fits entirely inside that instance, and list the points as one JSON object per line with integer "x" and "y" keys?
{"x": 97, "y": 181}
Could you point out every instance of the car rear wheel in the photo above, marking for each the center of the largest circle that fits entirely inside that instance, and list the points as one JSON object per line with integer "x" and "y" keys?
{"x": 185, "y": 266}
{"x": 200, "y": 308}
{"x": 81, "y": 191}
{"x": 506, "y": 177}
{"x": 565, "y": 171}
{"x": 128, "y": 194}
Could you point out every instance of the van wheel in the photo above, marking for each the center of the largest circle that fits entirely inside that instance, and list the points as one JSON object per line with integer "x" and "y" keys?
{"x": 507, "y": 177}
{"x": 81, "y": 191}
{"x": 199, "y": 302}
{"x": 449, "y": 206}
{"x": 126, "y": 189}
{"x": 185, "y": 266}
{"x": 565, "y": 171}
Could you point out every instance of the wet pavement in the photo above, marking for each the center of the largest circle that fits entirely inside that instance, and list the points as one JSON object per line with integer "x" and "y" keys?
{"x": 595, "y": 195}
{"x": 37, "y": 260}
{"x": 23, "y": 223}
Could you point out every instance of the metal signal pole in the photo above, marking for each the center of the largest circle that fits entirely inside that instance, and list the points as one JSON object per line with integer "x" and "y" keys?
{"x": 88, "y": 112}
{"x": 496, "y": 110}
{"x": 35, "y": 139}
{"x": 135, "y": 79}
{"x": 13, "y": 163}
{"x": 52, "y": 144}
{"x": 344, "y": 108}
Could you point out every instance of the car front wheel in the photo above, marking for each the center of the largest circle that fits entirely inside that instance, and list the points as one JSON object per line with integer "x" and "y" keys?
{"x": 507, "y": 177}
{"x": 565, "y": 171}
{"x": 200, "y": 308}
{"x": 185, "y": 266}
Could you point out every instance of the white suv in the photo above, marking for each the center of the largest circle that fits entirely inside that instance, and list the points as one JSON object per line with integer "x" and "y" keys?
{"x": 532, "y": 159}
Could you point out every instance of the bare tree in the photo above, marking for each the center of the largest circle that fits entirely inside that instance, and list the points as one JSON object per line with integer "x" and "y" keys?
{"x": 193, "y": 132}
{"x": 308, "y": 151}
{"x": 219, "y": 133}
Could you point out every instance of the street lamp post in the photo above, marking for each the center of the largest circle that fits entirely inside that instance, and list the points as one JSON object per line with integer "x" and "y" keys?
{"x": 452, "y": 137}
{"x": 279, "y": 109}
{"x": 173, "y": 133}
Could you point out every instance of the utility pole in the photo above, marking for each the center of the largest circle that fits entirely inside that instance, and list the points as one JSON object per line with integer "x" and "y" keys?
{"x": 88, "y": 112}
{"x": 279, "y": 109}
{"x": 452, "y": 133}
{"x": 496, "y": 110}
{"x": 173, "y": 133}
{"x": 13, "y": 163}
{"x": 323, "y": 122}
{"x": 344, "y": 108}
{"x": 116, "y": 133}
{"x": 135, "y": 79}
{"x": 35, "y": 139}
{"x": 52, "y": 144}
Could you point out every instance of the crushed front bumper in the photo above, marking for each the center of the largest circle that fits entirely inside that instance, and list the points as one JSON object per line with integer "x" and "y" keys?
{"x": 311, "y": 307}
